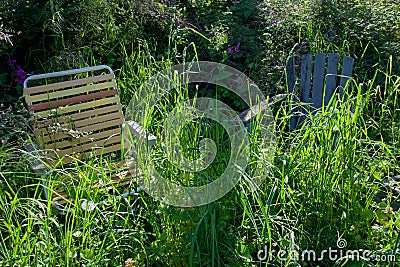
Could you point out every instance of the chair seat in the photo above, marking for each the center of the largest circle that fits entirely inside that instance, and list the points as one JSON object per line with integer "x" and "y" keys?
{"x": 121, "y": 182}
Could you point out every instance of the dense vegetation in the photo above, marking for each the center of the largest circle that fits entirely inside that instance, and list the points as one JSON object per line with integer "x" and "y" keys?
{"x": 325, "y": 177}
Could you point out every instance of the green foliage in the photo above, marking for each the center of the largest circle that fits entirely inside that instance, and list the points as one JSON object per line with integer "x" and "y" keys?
{"x": 65, "y": 34}
{"x": 365, "y": 30}
{"x": 325, "y": 175}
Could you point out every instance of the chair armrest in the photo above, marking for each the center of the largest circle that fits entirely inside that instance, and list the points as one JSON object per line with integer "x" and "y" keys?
{"x": 38, "y": 167}
{"x": 40, "y": 170}
{"x": 250, "y": 113}
{"x": 137, "y": 130}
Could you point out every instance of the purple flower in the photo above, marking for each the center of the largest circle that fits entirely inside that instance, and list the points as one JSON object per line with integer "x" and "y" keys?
{"x": 11, "y": 62}
{"x": 20, "y": 81}
{"x": 230, "y": 51}
{"x": 274, "y": 23}
{"x": 237, "y": 48}
{"x": 234, "y": 50}
{"x": 21, "y": 74}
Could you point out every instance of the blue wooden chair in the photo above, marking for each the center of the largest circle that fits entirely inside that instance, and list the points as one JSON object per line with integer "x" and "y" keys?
{"x": 315, "y": 90}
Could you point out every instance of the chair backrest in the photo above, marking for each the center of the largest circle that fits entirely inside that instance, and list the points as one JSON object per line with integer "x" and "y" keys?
{"x": 318, "y": 89}
{"x": 77, "y": 112}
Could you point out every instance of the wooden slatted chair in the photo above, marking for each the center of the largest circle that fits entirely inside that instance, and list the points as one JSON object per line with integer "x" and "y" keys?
{"x": 78, "y": 115}
{"x": 316, "y": 91}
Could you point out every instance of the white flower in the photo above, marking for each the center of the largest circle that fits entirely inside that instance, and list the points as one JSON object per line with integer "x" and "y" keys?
{"x": 88, "y": 205}
{"x": 77, "y": 233}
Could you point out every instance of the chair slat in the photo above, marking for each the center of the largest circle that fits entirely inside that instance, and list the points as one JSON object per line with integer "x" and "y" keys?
{"x": 103, "y": 125}
{"x": 94, "y": 152}
{"x": 82, "y": 140}
{"x": 70, "y": 92}
{"x": 80, "y": 123}
{"x": 87, "y": 147}
{"x": 64, "y": 85}
{"x": 78, "y": 107}
{"x": 290, "y": 74}
{"x": 305, "y": 84}
{"x": 43, "y": 132}
{"x": 305, "y": 78}
{"x": 318, "y": 80}
{"x": 72, "y": 100}
{"x": 79, "y": 116}
{"x": 347, "y": 72}
{"x": 45, "y": 139}
{"x": 331, "y": 72}
{"x": 98, "y": 119}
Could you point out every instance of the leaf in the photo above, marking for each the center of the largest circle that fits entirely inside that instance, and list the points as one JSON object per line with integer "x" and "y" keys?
{"x": 88, "y": 253}
{"x": 368, "y": 214}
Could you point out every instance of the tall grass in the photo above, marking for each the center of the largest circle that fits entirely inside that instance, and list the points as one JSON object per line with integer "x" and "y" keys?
{"x": 323, "y": 184}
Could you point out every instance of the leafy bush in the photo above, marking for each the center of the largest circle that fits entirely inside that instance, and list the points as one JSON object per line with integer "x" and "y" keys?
{"x": 65, "y": 34}
{"x": 324, "y": 176}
